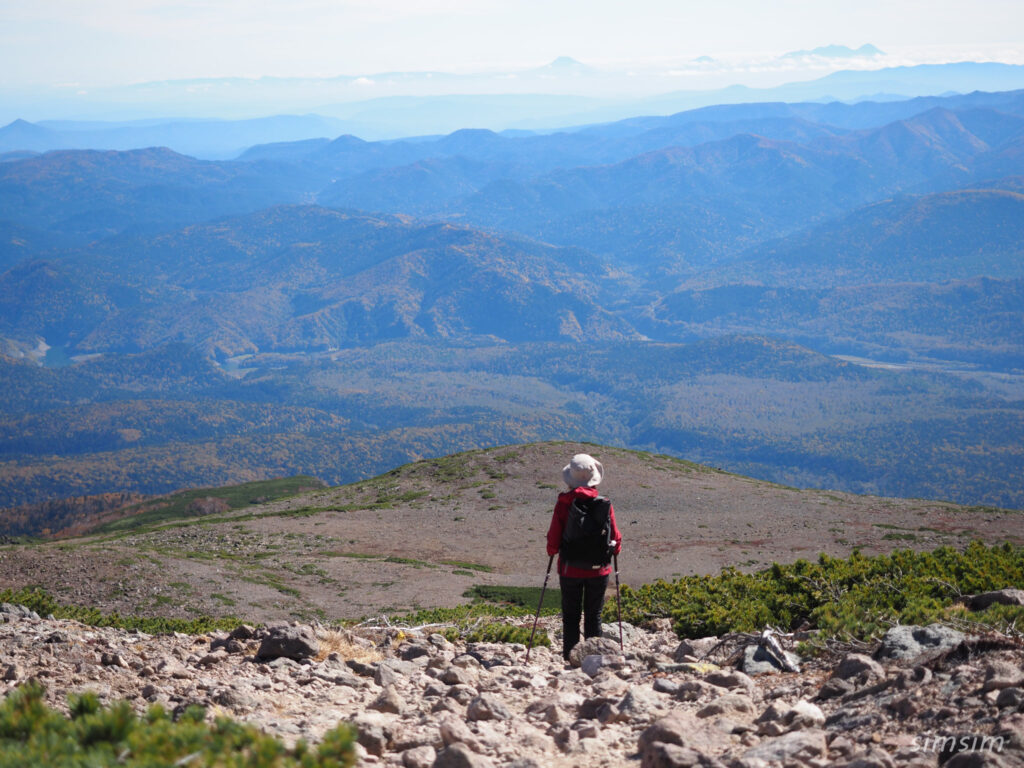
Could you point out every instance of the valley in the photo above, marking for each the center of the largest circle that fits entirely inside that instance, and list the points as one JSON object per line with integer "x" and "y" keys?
{"x": 695, "y": 285}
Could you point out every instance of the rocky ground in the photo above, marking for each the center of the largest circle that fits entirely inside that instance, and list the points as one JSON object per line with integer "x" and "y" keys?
{"x": 924, "y": 697}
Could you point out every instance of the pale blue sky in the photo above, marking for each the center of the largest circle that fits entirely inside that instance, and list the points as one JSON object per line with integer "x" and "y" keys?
{"x": 106, "y": 42}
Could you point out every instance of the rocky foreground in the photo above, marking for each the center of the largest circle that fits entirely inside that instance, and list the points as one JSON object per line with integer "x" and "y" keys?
{"x": 925, "y": 697}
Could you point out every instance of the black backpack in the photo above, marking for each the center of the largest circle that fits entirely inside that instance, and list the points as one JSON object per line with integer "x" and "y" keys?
{"x": 587, "y": 536}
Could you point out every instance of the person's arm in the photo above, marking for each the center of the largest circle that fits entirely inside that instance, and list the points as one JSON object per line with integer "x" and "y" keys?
{"x": 557, "y": 525}
{"x": 615, "y": 530}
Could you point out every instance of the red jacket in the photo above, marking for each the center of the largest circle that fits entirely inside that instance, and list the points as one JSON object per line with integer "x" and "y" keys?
{"x": 558, "y": 521}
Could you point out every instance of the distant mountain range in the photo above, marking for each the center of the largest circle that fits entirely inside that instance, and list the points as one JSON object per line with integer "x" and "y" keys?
{"x": 322, "y": 113}
{"x": 819, "y": 294}
{"x": 836, "y": 52}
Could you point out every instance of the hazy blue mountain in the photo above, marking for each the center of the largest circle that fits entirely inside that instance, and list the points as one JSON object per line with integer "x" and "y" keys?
{"x": 613, "y": 142}
{"x": 767, "y": 187}
{"x": 209, "y": 139}
{"x": 859, "y": 115}
{"x": 836, "y": 52}
{"x": 91, "y": 194}
{"x": 933, "y": 238}
{"x": 425, "y": 103}
{"x": 978, "y": 321}
{"x": 307, "y": 278}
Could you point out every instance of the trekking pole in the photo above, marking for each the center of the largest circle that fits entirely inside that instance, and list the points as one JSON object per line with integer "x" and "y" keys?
{"x": 618, "y": 601}
{"x": 536, "y": 618}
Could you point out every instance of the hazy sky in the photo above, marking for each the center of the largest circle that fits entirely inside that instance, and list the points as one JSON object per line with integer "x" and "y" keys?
{"x": 97, "y": 42}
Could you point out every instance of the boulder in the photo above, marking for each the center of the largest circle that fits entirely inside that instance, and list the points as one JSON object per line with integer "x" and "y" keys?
{"x": 858, "y": 667}
{"x": 289, "y": 642}
{"x": 729, "y": 705}
{"x": 998, "y": 597}
{"x": 792, "y": 749}
{"x": 910, "y": 642}
{"x": 694, "y": 649}
{"x": 419, "y": 757}
{"x": 458, "y": 755}
{"x": 593, "y": 664}
{"x": 487, "y": 707}
{"x": 630, "y": 634}
{"x": 757, "y": 660}
{"x": 730, "y": 679}
{"x": 640, "y": 704}
{"x": 593, "y": 646}
{"x": 662, "y": 755}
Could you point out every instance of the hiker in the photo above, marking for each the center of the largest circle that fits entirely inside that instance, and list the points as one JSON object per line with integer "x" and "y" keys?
{"x": 583, "y": 577}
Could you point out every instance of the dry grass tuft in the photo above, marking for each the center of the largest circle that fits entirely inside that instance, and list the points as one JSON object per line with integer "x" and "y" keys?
{"x": 342, "y": 643}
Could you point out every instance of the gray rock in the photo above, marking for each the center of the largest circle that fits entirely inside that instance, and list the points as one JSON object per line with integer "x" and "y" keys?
{"x": 591, "y": 665}
{"x": 458, "y": 676}
{"x": 593, "y": 707}
{"x": 466, "y": 661}
{"x": 729, "y": 705}
{"x": 385, "y": 676}
{"x": 458, "y": 755}
{"x": 419, "y": 757}
{"x": 796, "y": 748}
{"x": 998, "y": 597}
{"x": 662, "y": 755}
{"x": 566, "y": 739}
{"x": 592, "y": 646}
{"x": 289, "y": 642}
{"x": 691, "y": 690}
{"x": 910, "y": 642}
{"x": 665, "y": 685}
{"x": 388, "y": 701}
{"x": 374, "y": 732}
{"x": 859, "y": 667}
{"x": 834, "y": 688}
{"x": 113, "y": 660}
{"x": 730, "y": 679}
{"x": 233, "y": 699}
{"x": 977, "y": 759}
{"x": 243, "y": 632}
{"x": 18, "y": 611}
{"x": 487, "y": 707}
{"x": 462, "y": 693}
{"x": 416, "y": 650}
{"x": 361, "y": 668}
{"x": 685, "y": 730}
{"x": 640, "y": 704}
{"x": 1001, "y": 674}
{"x": 779, "y": 718}
{"x": 283, "y": 662}
{"x": 758, "y": 661}
{"x": 694, "y": 648}
{"x": 1010, "y": 697}
{"x": 872, "y": 758}
{"x": 454, "y": 730}
{"x": 372, "y": 738}
{"x": 630, "y": 634}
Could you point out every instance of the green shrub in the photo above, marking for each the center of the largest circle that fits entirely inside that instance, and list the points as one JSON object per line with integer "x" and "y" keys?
{"x": 44, "y": 604}
{"x": 32, "y": 734}
{"x": 517, "y": 600}
{"x": 507, "y": 633}
{"x": 855, "y": 597}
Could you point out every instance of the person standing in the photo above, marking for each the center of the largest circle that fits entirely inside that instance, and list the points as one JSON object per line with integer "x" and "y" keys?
{"x": 583, "y": 581}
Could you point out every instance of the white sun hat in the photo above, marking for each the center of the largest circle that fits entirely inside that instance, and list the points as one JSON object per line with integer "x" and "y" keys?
{"x": 583, "y": 469}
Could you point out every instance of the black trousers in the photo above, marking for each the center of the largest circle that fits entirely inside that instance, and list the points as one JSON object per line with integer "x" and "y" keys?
{"x": 581, "y": 597}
